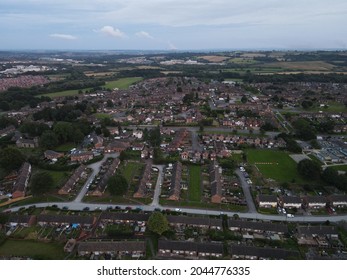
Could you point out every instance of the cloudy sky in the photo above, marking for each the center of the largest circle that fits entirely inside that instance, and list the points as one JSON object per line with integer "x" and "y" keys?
{"x": 173, "y": 24}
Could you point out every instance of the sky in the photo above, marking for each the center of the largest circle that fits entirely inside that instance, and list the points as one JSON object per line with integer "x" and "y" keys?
{"x": 172, "y": 24}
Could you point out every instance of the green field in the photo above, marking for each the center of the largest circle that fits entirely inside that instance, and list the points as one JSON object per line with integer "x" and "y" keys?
{"x": 72, "y": 92}
{"x": 130, "y": 170}
{"x": 101, "y": 116}
{"x": 276, "y": 165}
{"x": 340, "y": 167}
{"x": 122, "y": 83}
{"x": 65, "y": 147}
{"x": 194, "y": 183}
{"x": 32, "y": 249}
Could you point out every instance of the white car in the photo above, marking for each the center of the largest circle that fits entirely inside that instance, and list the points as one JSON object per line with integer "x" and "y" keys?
{"x": 290, "y": 216}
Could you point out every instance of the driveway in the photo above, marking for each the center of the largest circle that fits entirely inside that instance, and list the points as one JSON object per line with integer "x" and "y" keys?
{"x": 246, "y": 191}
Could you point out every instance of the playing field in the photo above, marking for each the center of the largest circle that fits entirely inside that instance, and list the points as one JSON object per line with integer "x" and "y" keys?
{"x": 276, "y": 165}
{"x": 194, "y": 183}
{"x": 122, "y": 83}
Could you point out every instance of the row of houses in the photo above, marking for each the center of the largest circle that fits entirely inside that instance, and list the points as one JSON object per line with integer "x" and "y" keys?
{"x": 216, "y": 183}
{"x": 298, "y": 202}
{"x": 111, "y": 170}
{"x": 175, "y": 185}
{"x": 71, "y": 183}
{"x": 145, "y": 180}
{"x": 21, "y": 184}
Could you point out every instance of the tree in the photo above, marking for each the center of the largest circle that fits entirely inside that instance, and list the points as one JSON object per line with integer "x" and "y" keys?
{"x": 11, "y": 158}
{"x": 244, "y": 99}
{"x": 158, "y": 223}
{"x": 330, "y": 176}
{"x": 154, "y": 137}
{"x": 64, "y": 131}
{"x": 309, "y": 169}
{"x": 48, "y": 140}
{"x": 41, "y": 183}
{"x": 117, "y": 185}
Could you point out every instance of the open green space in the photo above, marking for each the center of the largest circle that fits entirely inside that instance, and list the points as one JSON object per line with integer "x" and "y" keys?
{"x": 65, "y": 147}
{"x": 339, "y": 167}
{"x": 33, "y": 249}
{"x": 100, "y": 116}
{"x": 130, "y": 170}
{"x": 122, "y": 83}
{"x": 332, "y": 107}
{"x": 194, "y": 183}
{"x": 276, "y": 165}
{"x": 64, "y": 93}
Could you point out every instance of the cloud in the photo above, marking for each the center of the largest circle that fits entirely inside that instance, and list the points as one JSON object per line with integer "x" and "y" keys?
{"x": 172, "y": 46}
{"x": 111, "y": 31}
{"x": 63, "y": 36}
{"x": 144, "y": 34}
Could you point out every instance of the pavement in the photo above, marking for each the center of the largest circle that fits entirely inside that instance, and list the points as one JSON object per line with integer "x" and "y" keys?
{"x": 246, "y": 191}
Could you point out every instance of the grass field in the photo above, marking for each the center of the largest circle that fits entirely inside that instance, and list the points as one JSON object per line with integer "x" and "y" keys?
{"x": 333, "y": 107}
{"x": 72, "y": 92}
{"x": 194, "y": 183}
{"x": 276, "y": 165}
{"x": 100, "y": 116}
{"x": 32, "y": 249}
{"x": 122, "y": 83}
{"x": 130, "y": 170}
{"x": 65, "y": 147}
{"x": 340, "y": 167}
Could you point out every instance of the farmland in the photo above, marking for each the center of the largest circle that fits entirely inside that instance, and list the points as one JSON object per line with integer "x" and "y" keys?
{"x": 122, "y": 83}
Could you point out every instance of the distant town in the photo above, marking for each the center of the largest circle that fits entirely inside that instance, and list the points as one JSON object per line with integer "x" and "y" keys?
{"x": 173, "y": 155}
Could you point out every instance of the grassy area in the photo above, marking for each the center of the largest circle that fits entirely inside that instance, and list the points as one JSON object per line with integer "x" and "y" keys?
{"x": 101, "y": 116}
{"x": 194, "y": 183}
{"x": 72, "y": 92}
{"x": 130, "y": 170}
{"x": 65, "y": 147}
{"x": 276, "y": 165}
{"x": 339, "y": 167}
{"x": 32, "y": 249}
{"x": 122, "y": 83}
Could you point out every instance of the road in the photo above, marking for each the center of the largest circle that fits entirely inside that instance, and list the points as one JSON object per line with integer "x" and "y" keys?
{"x": 95, "y": 167}
{"x": 246, "y": 190}
{"x": 157, "y": 191}
{"x": 195, "y": 142}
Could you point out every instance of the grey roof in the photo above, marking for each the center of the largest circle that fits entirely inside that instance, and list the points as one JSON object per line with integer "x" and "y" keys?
{"x": 261, "y": 252}
{"x": 291, "y": 199}
{"x": 66, "y": 219}
{"x": 262, "y": 226}
{"x": 319, "y": 230}
{"x": 124, "y": 216}
{"x": 267, "y": 198}
{"x": 20, "y": 219}
{"x": 194, "y": 221}
{"x": 216, "y": 247}
{"x": 119, "y": 246}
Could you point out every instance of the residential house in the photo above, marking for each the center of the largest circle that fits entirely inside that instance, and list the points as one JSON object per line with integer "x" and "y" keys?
{"x": 216, "y": 184}
{"x": 111, "y": 170}
{"x": 176, "y": 182}
{"x": 137, "y": 146}
{"x": 254, "y": 253}
{"x": 117, "y": 146}
{"x": 206, "y": 223}
{"x": 315, "y": 201}
{"x": 97, "y": 141}
{"x": 337, "y": 200}
{"x": 146, "y": 177}
{"x": 49, "y": 154}
{"x": 191, "y": 250}
{"x": 138, "y": 134}
{"x": 27, "y": 143}
{"x": 21, "y": 220}
{"x": 261, "y": 227}
{"x": 82, "y": 156}
{"x": 63, "y": 220}
{"x": 7, "y": 130}
{"x": 267, "y": 200}
{"x": 185, "y": 155}
{"x": 134, "y": 249}
{"x": 120, "y": 217}
{"x": 21, "y": 184}
{"x": 291, "y": 202}
{"x": 70, "y": 184}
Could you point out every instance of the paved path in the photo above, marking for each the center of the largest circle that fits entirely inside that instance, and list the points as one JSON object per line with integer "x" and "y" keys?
{"x": 157, "y": 191}
{"x": 246, "y": 191}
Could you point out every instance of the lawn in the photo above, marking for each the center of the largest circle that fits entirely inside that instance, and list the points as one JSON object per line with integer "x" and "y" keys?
{"x": 276, "y": 165}
{"x": 32, "y": 249}
{"x": 65, "y": 147}
{"x": 122, "y": 83}
{"x": 130, "y": 170}
{"x": 101, "y": 116}
{"x": 194, "y": 183}
{"x": 339, "y": 167}
{"x": 72, "y": 92}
